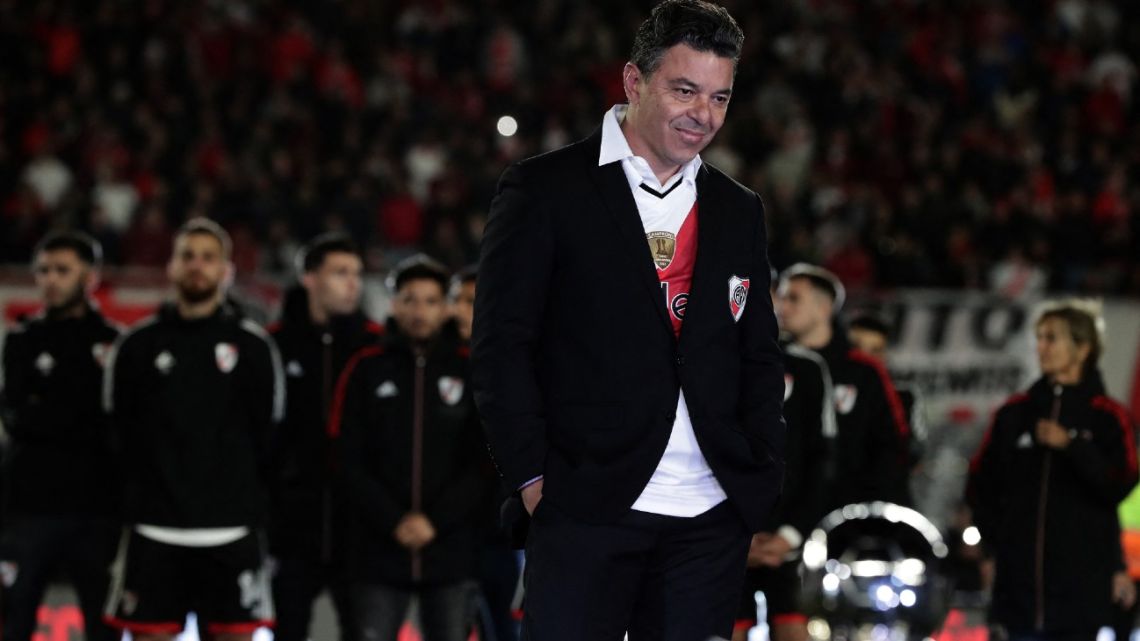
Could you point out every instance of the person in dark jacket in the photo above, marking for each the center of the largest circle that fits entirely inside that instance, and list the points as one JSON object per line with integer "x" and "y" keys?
{"x": 872, "y": 448}
{"x": 413, "y": 460}
{"x": 870, "y": 334}
{"x": 321, "y": 327}
{"x": 1045, "y": 484}
{"x": 194, "y": 395}
{"x": 809, "y": 410}
{"x": 59, "y": 507}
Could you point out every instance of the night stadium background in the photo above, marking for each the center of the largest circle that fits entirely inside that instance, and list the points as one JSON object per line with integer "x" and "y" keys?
{"x": 953, "y": 162}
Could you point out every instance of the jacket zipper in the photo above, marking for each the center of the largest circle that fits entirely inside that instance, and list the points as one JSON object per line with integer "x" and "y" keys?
{"x": 326, "y": 491}
{"x": 417, "y": 456}
{"x": 1042, "y": 504}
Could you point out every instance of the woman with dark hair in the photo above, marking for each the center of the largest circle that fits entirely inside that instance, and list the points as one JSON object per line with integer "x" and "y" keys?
{"x": 1045, "y": 485}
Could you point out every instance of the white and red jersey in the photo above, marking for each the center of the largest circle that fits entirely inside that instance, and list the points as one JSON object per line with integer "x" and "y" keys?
{"x": 675, "y": 253}
{"x": 683, "y": 484}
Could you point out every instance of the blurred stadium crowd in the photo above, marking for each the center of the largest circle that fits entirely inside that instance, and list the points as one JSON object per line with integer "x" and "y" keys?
{"x": 980, "y": 143}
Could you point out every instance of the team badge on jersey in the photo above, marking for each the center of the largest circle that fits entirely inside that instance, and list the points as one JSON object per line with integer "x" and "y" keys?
{"x": 662, "y": 245}
{"x": 226, "y": 356}
{"x": 450, "y": 389}
{"x": 45, "y": 364}
{"x": 845, "y": 396}
{"x": 164, "y": 362}
{"x": 737, "y": 295}
{"x": 789, "y": 385}
{"x": 99, "y": 352}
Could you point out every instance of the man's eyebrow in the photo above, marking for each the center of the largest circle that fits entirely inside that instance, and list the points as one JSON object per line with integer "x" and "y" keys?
{"x": 682, "y": 81}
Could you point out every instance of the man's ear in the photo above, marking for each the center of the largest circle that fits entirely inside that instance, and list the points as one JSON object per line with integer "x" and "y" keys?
{"x": 91, "y": 281}
{"x": 630, "y": 78}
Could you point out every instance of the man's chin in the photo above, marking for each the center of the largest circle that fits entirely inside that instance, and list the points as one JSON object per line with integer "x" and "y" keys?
{"x": 195, "y": 296}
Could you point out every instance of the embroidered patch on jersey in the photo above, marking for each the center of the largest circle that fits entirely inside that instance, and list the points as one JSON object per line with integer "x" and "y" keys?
{"x": 45, "y": 363}
{"x": 450, "y": 389}
{"x": 164, "y": 362}
{"x": 9, "y": 572}
{"x": 845, "y": 396}
{"x": 100, "y": 351}
{"x": 226, "y": 355}
{"x": 789, "y": 385}
{"x": 737, "y": 295}
{"x": 1025, "y": 442}
{"x": 662, "y": 245}
{"x": 387, "y": 389}
{"x": 294, "y": 369}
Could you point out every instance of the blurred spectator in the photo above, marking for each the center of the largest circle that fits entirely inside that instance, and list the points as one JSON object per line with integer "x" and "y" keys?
{"x": 884, "y": 139}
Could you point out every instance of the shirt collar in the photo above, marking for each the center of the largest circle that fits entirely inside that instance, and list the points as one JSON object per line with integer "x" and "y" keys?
{"x": 615, "y": 148}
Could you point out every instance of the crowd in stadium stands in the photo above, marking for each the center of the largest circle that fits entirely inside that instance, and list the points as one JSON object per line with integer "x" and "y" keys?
{"x": 976, "y": 143}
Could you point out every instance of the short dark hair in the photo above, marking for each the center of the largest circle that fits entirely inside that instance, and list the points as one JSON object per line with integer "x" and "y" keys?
{"x": 820, "y": 279}
{"x": 418, "y": 267}
{"x": 313, "y": 254}
{"x": 702, "y": 25}
{"x": 202, "y": 225}
{"x": 85, "y": 247}
{"x": 870, "y": 322}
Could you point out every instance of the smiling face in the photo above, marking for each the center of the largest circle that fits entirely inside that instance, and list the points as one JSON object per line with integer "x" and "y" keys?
{"x": 675, "y": 112}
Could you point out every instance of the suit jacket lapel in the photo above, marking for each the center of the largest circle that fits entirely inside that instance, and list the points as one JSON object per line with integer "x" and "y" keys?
{"x": 707, "y": 290}
{"x": 611, "y": 183}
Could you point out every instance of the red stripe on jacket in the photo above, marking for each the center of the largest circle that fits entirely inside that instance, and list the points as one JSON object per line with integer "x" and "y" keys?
{"x": 336, "y": 414}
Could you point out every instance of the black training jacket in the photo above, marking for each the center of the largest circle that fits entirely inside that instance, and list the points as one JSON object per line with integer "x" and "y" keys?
{"x": 193, "y": 404}
{"x": 59, "y": 462}
{"x": 1049, "y": 516}
{"x": 306, "y": 515}
{"x": 872, "y": 448}
{"x": 411, "y": 442}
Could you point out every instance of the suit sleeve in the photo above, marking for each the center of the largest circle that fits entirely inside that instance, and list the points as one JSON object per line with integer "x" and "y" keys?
{"x": 515, "y": 268}
{"x": 762, "y": 367}
{"x": 348, "y": 419}
{"x": 1106, "y": 463}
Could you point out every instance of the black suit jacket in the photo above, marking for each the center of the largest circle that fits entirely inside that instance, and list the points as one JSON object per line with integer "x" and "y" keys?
{"x": 575, "y": 363}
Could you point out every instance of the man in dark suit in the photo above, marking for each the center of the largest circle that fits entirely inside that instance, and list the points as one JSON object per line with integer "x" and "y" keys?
{"x": 638, "y": 391}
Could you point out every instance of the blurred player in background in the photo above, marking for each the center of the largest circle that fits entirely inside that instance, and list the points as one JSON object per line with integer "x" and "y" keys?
{"x": 414, "y": 463}
{"x": 194, "y": 394}
{"x": 809, "y": 410}
{"x": 872, "y": 456}
{"x": 60, "y": 505}
{"x": 871, "y": 335}
{"x": 321, "y": 327}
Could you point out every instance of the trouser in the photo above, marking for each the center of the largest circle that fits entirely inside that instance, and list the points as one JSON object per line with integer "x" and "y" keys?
{"x": 447, "y": 611}
{"x": 33, "y": 549}
{"x": 660, "y": 578}
{"x": 297, "y": 582}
